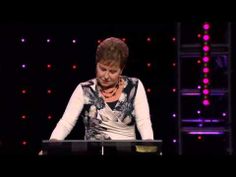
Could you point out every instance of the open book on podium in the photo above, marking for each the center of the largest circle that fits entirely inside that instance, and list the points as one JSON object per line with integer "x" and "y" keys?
{"x": 102, "y": 147}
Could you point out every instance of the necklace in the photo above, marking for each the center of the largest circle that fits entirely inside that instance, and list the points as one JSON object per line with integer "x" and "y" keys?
{"x": 108, "y": 93}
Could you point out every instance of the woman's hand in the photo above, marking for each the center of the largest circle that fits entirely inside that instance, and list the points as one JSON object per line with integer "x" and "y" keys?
{"x": 41, "y": 151}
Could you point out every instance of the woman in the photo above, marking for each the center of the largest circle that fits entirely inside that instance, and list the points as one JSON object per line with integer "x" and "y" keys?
{"x": 111, "y": 104}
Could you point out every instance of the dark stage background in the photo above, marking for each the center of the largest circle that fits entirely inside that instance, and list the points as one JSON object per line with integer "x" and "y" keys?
{"x": 41, "y": 64}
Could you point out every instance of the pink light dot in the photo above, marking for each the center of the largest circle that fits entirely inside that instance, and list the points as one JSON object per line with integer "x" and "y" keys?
{"x": 199, "y": 137}
{"x": 205, "y": 91}
{"x": 23, "y": 91}
{"x": 49, "y": 91}
{"x": 23, "y": 117}
{"x": 206, "y": 48}
{"x": 205, "y": 80}
{"x": 206, "y": 37}
{"x": 206, "y": 26}
{"x": 149, "y": 39}
{"x": 149, "y": 65}
{"x": 49, "y": 117}
{"x": 24, "y": 142}
{"x": 205, "y": 70}
{"x": 49, "y": 66}
{"x": 205, "y": 59}
{"x": 206, "y": 102}
{"x": 74, "y": 66}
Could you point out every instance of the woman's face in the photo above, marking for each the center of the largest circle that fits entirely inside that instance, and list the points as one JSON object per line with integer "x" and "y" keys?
{"x": 107, "y": 74}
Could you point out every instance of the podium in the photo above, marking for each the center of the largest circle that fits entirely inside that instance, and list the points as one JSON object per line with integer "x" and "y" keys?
{"x": 102, "y": 147}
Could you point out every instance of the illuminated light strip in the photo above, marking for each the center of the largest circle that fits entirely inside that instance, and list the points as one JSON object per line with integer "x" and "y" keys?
{"x": 206, "y": 133}
{"x": 206, "y": 49}
{"x": 202, "y": 120}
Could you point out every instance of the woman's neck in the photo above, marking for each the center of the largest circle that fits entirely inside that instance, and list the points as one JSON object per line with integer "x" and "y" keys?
{"x": 113, "y": 91}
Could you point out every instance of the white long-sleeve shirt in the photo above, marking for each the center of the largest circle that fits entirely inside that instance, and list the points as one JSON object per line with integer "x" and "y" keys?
{"x": 102, "y": 122}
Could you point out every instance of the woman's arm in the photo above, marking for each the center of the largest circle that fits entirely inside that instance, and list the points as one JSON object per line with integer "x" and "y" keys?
{"x": 70, "y": 116}
{"x": 142, "y": 113}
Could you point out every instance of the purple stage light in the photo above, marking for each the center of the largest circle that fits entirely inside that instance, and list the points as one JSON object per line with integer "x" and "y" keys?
{"x": 206, "y": 133}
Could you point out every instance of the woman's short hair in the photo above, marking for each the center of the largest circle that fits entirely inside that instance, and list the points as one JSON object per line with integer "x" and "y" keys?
{"x": 112, "y": 50}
